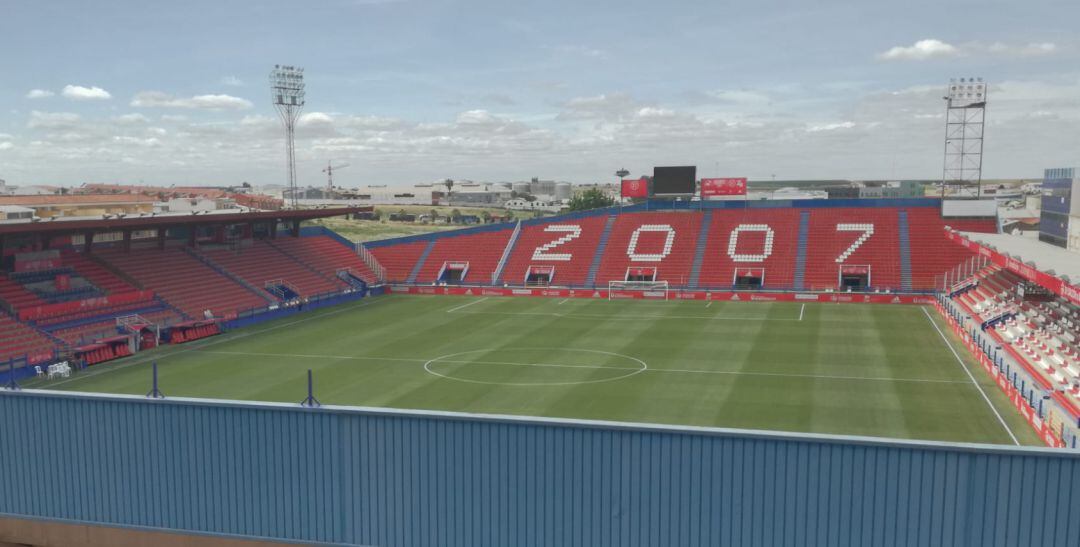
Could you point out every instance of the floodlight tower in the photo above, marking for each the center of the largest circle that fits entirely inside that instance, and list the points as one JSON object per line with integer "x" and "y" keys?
{"x": 287, "y": 92}
{"x": 965, "y": 121}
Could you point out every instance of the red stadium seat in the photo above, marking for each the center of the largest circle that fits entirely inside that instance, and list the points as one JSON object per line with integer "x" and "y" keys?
{"x": 569, "y": 246}
{"x": 765, "y": 238}
{"x": 853, "y": 236}
{"x": 261, "y": 262}
{"x": 481, "y": 250}
{"x": 184, "y": 281}
{"x": 665, "y": 241}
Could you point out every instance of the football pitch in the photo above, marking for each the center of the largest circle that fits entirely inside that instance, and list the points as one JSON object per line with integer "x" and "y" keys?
{"x": 853, "y": 369}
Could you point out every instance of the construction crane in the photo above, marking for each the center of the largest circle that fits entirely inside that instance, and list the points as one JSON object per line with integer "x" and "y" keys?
{"x": 330, "y": 168}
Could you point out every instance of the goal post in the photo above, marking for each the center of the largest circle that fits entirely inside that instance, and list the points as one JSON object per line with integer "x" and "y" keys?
{"x": 652, "y": 290}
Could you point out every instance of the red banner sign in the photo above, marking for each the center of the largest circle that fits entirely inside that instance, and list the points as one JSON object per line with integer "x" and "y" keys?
{"x": 54, "y": 310}
{"x": 40, "y": 260}
{"x": 635, "y": 188}
{"x": 723, "y": 187}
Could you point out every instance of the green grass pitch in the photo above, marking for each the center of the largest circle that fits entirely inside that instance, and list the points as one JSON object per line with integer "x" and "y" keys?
{"x": 857, "y": 369}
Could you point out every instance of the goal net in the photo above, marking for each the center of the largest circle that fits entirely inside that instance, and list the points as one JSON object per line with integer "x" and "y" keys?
{"x": 654, "y": 290}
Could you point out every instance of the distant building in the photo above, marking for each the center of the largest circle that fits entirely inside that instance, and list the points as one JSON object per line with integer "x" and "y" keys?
{"x": 15, "y": 212}
{"x": 188, "y": 205}
{"x": 49, "y": 206}
{"x": 1059, "y": 222}
{"x": 842, "y": 192}
{"x": 526, "y": 205}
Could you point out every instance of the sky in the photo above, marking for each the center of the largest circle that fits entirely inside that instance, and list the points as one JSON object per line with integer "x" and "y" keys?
{"x": 410, "y": 91}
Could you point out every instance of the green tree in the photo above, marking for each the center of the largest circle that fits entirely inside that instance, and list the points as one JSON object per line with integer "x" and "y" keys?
{"x": 455, "y": 215}
{"x": 593, "y": 198}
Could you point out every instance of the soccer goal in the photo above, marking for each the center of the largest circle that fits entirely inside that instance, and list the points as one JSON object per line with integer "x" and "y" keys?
{"x": 653, "y": 290}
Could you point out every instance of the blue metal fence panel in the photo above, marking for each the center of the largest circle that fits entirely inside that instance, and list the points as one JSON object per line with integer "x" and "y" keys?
{"x": 380, "y": 477}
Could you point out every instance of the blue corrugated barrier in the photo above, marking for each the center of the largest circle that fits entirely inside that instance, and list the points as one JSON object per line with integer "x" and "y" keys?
{"x": 408, "y": 478}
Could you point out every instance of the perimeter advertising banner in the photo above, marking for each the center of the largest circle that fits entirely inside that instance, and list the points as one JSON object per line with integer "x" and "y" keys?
{"x": 723, "y": 187}
{"x": 837, "y": 298}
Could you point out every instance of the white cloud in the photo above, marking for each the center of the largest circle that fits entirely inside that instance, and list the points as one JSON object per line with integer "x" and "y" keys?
{"x": 830, "y": 126}
{"x": 256, "y": 120}
{"x": 1034, "y": 125}
{"x": 315, "y": 118}
{"x": 6, "y": 146}
{"x": 604, "y": 106}
{"x": 80, "y": 93}
{"x": 921, "y": 50}
{"x": 1028, "y": 50}
{"x": 39, "y": 94}
{"x": 654, "y": 112}
{"x": 158, "y": 99}
{"x": 6, "y": 137}
{"x": 232, "y": 81}
{"x": 133, "y": 118}
{"x": 137, "y": 141}
{"x": 53, "y": 120}
{"x": 934, "y": 49}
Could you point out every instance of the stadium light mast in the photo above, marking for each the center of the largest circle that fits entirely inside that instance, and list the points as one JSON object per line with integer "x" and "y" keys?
{"x": 287, "y": 92}
{"x": 965, "y": 121}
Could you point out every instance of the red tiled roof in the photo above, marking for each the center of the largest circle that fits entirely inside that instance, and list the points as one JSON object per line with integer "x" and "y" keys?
{"x": 80, "y": 199}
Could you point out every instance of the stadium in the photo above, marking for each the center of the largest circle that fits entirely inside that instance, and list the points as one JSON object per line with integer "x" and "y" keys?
{"x": 419, "y": 311}
{"x": 889, "y": 332}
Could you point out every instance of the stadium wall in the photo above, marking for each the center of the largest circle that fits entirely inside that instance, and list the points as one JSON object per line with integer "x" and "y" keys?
{"x": 396, "y": 477}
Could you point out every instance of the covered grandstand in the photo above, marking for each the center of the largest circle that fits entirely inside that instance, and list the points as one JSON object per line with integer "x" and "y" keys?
{"x": 90, "y": 290}
{"x": 1016, "y": 303}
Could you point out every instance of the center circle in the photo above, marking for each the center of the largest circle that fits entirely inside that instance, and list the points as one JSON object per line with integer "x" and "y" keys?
{"x": 534, "y": 366}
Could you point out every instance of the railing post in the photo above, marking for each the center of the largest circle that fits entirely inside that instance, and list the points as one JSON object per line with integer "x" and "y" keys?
{"x": 310, "y": 401}
{"x": 155, "y": 393}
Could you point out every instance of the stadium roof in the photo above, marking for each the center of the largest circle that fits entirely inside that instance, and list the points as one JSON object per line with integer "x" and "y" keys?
{"x": 138, "y": 222}
{"x": 1045, "y": 257}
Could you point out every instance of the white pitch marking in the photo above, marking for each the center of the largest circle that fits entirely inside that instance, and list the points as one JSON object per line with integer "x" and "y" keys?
{"x": 451, "y": 310}
{"x": 969, "y": 375}
{"x": 709, "y": 304}
{"x": 634, "y": 317}
{"x": 601, "y": 367}
{"x": 563, "y": 301}
{"x": 801, "y": 310}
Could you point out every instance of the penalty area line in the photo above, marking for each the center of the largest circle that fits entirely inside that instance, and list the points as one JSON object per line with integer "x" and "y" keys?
{"x": 969, "y": 375}
{"x": 801, "y": 310}
{"x": 463, "y": 306}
